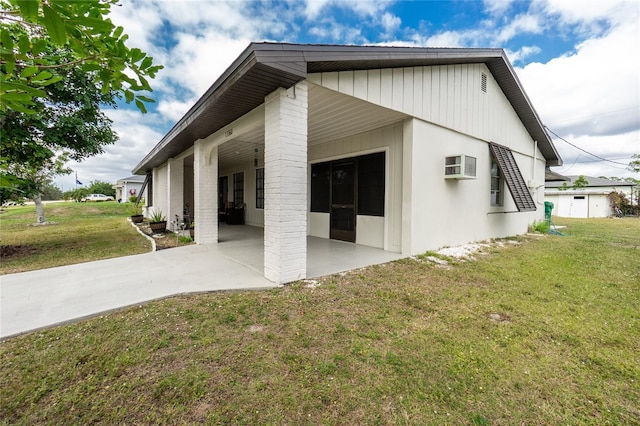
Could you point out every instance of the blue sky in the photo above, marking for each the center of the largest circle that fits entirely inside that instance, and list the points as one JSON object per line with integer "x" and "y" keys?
{"x": 577, "y": 61}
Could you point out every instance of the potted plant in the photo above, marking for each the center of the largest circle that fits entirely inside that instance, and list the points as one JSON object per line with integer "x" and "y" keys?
{"x": 192, "y": 229}
{"x": 135, "y": 211}
{"x": 157, "y": 221}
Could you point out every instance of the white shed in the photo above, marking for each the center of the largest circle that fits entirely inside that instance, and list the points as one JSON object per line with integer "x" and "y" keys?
{"x": 591, "y": 200}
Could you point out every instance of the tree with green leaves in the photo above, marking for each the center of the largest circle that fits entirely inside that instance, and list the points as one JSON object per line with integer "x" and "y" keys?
{"x": 634, "y": 164}
{"x": 60, "y": 61}
{"x": 83, "y": 27}
{"x": 102, "y": 187}
{"x": 66, "y": 124}
{"x": 580, "y": 182}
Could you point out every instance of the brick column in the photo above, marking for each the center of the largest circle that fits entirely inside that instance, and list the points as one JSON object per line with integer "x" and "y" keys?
{"x": 205, "y": 193}
{"x": 175, "y": 189}
{"x": 285, "y": 212}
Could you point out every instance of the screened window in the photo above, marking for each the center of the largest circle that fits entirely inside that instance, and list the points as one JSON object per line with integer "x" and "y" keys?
{"x": 260, "y": 188}
{"x": 238, "y": 189}
{"x": 496, "y": 183}
{"x": 320, "y": 187}
{"x": 371, "y": 184}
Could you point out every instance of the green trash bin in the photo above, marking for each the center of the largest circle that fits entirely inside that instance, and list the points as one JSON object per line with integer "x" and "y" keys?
{"x": 548, "y": 207}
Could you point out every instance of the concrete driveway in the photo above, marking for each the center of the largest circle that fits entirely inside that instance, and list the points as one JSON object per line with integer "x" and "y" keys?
{"x": 37, "y": 299}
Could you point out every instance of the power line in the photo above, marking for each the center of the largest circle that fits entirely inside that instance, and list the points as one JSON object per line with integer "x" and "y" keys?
{"x": 595, "y": 115}
{"x": 583, "y": 150}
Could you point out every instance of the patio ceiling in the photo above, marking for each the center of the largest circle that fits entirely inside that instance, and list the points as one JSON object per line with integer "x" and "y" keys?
{"x": 332, "y": 116}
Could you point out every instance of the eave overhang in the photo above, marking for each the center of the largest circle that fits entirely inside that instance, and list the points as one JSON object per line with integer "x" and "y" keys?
{"x": 264, "y": 67}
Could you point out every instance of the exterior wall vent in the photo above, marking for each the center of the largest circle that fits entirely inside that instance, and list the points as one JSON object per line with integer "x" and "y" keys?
{"x": 483, "y": 82}
{"x": 460, "y": 167}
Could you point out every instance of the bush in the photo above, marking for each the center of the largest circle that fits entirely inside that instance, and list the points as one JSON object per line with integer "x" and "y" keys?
{"x": 541, "y": 227}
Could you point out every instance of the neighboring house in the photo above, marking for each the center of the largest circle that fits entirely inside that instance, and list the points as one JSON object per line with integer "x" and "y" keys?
{"x": 404, "y": 149}
{"x": 588, "y": 201}
{"x": 128, "y": 187}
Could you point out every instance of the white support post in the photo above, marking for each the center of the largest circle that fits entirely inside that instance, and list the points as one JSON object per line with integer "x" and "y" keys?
{"x": 175, "y": 195}
{"x": 205, "y": 196}
{"x": 285, "y": 213}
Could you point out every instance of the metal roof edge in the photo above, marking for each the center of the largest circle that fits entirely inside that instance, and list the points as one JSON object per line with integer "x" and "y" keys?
{"x": 301, "y": 55}
{"x": 188, "y": 116}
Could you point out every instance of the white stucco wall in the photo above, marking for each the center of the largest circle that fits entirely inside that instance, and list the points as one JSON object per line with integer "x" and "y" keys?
{"x": 446, "y": 212}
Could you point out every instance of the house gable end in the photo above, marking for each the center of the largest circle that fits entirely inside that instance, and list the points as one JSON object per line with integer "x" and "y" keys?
{"x": 263, "y": 67}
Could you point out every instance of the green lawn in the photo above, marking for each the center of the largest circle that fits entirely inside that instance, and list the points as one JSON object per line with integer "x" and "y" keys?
{"x": 543, "y": 332}
{"x": 79, "y": 232}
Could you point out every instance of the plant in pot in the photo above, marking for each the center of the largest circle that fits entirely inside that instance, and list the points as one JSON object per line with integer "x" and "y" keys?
{"x": 192, "y": 229}
{"x": 135, "y": 211}
{"x": 157, "y": 221}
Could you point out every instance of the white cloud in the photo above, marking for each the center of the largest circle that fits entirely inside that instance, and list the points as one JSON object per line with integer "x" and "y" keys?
{"x": 314, "y": 7}
{"x": 590, "y": 95}
{"x": 137, "y": 138}
{"x": 199, "y": 60}
{"x": 526, "y": 23}
{"x": 522, "y": 53}
{"x": 173, "y": 109}
{"x": 497, "y": 7}
{"x": 618, "y": 148}
{"x": 587, "y": 11}
{"x": 390, "y": 23}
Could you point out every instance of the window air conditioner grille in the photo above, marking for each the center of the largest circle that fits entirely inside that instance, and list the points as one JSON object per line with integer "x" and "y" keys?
{"x": 460, "y": 167}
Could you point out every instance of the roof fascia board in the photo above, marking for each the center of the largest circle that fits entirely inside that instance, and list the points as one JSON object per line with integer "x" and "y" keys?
{"x": 291, "y": 62}
{"x": 242, "y": 63}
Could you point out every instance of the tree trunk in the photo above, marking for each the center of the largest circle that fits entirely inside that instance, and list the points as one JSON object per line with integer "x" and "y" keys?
{"x": 39, "y": 209}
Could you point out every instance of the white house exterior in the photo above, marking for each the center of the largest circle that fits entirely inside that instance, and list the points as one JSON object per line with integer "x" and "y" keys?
{"x": 350, "y": 143}
{"x": 128, "y": 187}
{"x": 589, "y": 201}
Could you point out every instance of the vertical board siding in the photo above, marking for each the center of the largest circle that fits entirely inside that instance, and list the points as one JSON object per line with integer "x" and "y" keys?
{"x": 418, "y": 81}
{"x": 373, "y": 94}
{"x": 345, "y": 82}
{"x": 360, "y": 84}
{"x": 408, "y": 92}
{"x": 386, "y": 88}
{"x": 447, "y": 95}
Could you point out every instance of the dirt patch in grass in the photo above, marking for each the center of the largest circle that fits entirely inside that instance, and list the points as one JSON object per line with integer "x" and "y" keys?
{"x": 17, "y": 251}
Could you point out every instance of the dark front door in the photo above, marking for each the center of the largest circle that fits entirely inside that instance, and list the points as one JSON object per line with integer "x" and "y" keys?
{"x": 343, "y": 201}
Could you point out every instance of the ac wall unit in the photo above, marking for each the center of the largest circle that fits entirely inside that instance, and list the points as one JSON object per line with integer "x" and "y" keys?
{"x": 460, "y": 167}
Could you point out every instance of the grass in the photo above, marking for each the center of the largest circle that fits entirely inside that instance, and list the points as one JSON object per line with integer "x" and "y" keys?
{"x": 79, "y": 232}
{"x": 542, "y": 332}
